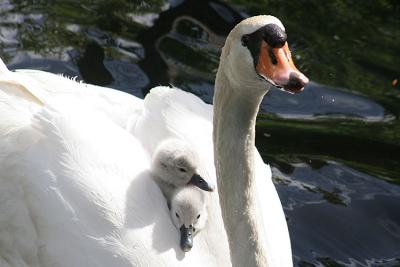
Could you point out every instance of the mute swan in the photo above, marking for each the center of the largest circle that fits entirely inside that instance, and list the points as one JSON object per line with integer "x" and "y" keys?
{"x": 174, "y": 164}
{"x": 75, "y": 187}
{"x": 188, "y": 213}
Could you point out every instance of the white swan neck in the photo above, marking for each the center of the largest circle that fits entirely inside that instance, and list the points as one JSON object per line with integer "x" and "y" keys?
{"x": 234, "y": 143}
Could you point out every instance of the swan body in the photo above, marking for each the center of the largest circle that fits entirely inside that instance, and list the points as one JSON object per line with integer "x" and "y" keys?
{"x": 89, "y": 197}
{"x": 174, "y": 165}
{"x": 75, "y": 187}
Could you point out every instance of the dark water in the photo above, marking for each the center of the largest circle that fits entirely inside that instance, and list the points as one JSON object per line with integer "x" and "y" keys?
{"x": 334, "y": 149}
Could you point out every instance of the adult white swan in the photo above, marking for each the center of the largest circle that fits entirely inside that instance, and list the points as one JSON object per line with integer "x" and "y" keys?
{"x": 75, "y": 187}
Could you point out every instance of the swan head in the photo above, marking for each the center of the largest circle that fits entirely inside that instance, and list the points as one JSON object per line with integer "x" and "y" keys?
{"x": 256, "y": 53}
{"x": 175, "y": 163}
{"x": 188, "y": 213}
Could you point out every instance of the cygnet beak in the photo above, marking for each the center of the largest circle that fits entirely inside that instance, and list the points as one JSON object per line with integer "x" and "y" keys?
{"x": 186, "y": 238}
{"x": 198, "y": 181}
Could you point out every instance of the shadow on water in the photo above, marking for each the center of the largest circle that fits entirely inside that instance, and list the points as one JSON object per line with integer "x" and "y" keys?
{"x": 334, "y": 149}
{"x": 178, "y": 34}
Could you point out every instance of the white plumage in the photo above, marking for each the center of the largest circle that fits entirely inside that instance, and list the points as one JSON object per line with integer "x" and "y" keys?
{"x": 86, "y": 181}
{"x": 74, "y": 177}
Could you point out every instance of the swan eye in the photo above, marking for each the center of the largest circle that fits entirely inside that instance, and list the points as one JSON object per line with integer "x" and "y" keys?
{"x": 182, "y": 170}
{"x": 176, "y": 214}
{"x": 245, "y": 40}
{"x": 198, "y": 216}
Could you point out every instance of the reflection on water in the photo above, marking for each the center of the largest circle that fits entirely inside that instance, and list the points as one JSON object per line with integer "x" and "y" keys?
{"x": 334, "y": 148}
{"x": 333, "y": 198}
{"x": 320, "y": 101}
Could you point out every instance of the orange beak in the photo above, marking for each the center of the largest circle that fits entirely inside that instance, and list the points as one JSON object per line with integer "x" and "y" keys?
{"x": 276, "y": 66}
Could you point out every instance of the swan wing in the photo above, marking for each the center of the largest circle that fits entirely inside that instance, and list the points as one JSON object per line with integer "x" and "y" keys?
{"x": 173, "y": 113}
{"x": 75, "y": 185}
{"x": 51, "y": 89}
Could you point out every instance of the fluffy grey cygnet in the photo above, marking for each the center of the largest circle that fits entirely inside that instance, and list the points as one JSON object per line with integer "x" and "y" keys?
{"x": 174, "y": 164}
{"x": 188, "y": 213}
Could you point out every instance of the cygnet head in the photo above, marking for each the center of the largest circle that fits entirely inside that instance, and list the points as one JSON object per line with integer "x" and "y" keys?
{"x": 175, "y": 163}
{"x": 188, "y": 213}
{"x": 256, "y": 55}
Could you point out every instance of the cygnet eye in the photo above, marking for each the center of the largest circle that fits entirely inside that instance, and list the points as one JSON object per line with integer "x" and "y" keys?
{"x": 176, "y": 214}
{"x": 182, "y": 170}
{"x": 198, "y": 216}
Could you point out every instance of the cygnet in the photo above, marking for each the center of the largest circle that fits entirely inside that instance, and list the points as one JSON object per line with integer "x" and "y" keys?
{"x": 188, "y": 213}
{"x": 174, "y": 164}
